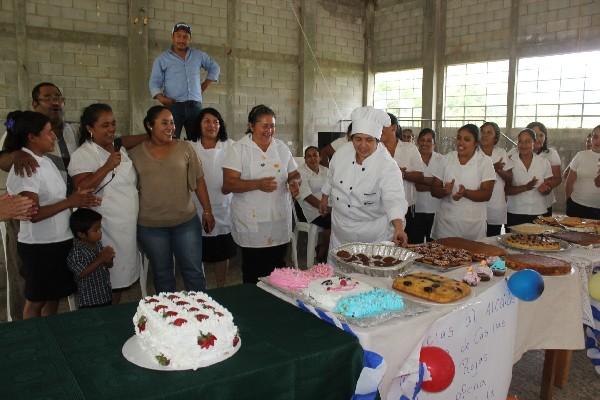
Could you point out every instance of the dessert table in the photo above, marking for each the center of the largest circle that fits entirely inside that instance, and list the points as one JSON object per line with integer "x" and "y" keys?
{"x": 285, "y": 354}
{"x": 554, "y": 321}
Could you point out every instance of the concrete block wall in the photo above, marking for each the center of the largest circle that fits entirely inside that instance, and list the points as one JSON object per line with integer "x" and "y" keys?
{"x": 477, "y": 26}
{"x": 398, "y": 31}
{"x": 340, "y": 48}
{"x": 548, "y": 21}
{"x": 340, "y": 32}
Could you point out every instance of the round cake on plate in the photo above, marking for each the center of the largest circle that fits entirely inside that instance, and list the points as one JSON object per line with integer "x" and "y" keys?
{"x": 185, "y": 330}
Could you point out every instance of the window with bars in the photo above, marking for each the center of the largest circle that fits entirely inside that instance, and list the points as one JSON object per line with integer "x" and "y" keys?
{"x": 561, "y": 91}
{"x": 400, "y": 93}
{"x": 476, "y": 92}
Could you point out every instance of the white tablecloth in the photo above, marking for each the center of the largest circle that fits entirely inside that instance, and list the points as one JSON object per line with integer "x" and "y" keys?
{"x": 554, "y": 321}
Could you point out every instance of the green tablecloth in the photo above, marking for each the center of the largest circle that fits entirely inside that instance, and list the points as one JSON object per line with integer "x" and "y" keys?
{"x": 285, "y": 354}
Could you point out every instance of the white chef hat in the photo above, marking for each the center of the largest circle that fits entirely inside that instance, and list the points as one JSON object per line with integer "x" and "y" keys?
{"x": 370, "y": 121}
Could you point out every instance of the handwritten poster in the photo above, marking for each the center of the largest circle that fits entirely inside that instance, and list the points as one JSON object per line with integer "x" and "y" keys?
{"x": 480, "y": 339}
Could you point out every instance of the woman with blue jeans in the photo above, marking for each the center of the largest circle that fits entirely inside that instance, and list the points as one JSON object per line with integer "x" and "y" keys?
{"x": 168, "y": 171}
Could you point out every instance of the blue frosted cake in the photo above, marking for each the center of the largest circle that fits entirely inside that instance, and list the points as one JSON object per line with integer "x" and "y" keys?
{"x": 369, "y": 304}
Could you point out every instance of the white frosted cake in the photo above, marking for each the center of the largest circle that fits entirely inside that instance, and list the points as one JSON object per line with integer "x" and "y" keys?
{"x": 185, "y": 330}
{"x": 327, "y": 292}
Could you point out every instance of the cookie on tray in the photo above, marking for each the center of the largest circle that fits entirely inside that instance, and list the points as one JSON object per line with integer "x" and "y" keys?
{"x": 433, "y": 287}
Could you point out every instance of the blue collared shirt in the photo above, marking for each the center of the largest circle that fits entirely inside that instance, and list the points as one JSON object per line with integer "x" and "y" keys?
{"x": 180, "y": 79}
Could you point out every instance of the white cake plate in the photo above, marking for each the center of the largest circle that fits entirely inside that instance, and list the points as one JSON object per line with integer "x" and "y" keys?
{"x": 133, "y": 352}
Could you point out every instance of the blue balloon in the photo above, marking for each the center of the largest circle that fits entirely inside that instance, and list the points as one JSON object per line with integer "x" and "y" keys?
{"x": 526, "y": 285}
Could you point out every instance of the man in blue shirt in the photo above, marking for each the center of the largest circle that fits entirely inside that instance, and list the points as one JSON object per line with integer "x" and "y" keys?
{"x": 175, "y": 79}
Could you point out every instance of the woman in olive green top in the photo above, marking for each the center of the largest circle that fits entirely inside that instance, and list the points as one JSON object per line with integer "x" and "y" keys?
{"x": 168, "y": 171}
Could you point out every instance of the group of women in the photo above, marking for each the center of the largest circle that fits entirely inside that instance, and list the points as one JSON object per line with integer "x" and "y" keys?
{"x": 195, "y": 201}
{"x": 468, "y": 195}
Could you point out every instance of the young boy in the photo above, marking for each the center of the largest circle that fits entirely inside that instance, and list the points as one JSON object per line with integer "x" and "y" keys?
{"x": 89, "y": 261}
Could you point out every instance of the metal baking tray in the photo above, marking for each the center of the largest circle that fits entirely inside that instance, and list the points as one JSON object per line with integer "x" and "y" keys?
{"x": 406, "y": 256}
{"x": 564, "y": 246}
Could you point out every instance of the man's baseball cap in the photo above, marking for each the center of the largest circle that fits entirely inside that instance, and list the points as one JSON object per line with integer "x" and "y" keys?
{"x": 181, "y": 26}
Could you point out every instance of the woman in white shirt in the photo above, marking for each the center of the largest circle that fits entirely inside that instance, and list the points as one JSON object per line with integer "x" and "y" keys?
{"x": 257, "y": 170}
{"x": 465, "y": 184}
{"x": 218, "y": 246}
{"x": 550, "y": 154}
{"x": 408, "y": 159}
{"x": 44, "y": 242}
{"x": 496, "y": 206}
{"x": 364, "y": 186}
{"x": 530, "y": 184}
{"x": 426, "y": 205}
{"x": 313, "y": 176}
{"x": 101, "y": 165}
{"x": 582, "y": 188}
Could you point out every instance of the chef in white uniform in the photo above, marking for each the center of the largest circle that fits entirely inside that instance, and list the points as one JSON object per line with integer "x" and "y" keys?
{"x": 109, "y": 171}
{"x": 364, "y": 186}
{"x": 465, "y": 184}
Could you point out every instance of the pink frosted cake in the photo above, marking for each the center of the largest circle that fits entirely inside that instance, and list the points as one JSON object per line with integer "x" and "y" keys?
{"x": 295, "y": 279}
{"x": 185, "y": 330}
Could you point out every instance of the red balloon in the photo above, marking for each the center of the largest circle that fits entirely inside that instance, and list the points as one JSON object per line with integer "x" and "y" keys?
{"x": 440, "y": 366}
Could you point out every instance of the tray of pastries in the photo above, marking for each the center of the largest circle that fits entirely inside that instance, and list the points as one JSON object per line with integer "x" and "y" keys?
{"x": 533, "y": 242}
{"x": 432, "y": 287}
{"x": 473, "y": 247}
{"x": 443, "y": 257}
{"x": 579, "y": 238}
{"x": 542, "y": 264}
{"x": 373, "y": 259}
{"x": 534, "y": 229}
{"x": 576, "y": 224}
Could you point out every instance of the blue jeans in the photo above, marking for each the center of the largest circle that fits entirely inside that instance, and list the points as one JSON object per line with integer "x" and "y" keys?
{"x": 183, "y": 240}
{"x": 186, "y": 113}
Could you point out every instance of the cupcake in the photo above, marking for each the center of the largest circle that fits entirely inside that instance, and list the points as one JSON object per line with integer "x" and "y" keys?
{"x": 471, "y": 278}
{"x": 484, "y": 272}
{"x": 498, "y": 267}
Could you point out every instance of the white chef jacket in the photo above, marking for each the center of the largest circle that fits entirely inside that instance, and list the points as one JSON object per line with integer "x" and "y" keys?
{"x": 552, "y": 156}
{"x": 531, "y": 202}
{"x": 365, "y": 198}
{"x": 261, "y": 219}
{"x": 463, "y": 218}
{"x": 496, "y": 206}
{"x": 119, "y": 209}
{"x": 407, "y": 156}
{"x": 425, "y": 202}
{"x": 585, "y": 192}
{"x": 212, "y": 165}
{"x": 48, "y": 184}
{"x": 312, "y": 183}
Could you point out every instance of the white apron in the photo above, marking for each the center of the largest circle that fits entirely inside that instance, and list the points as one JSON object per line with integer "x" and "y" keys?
{"x": 263, "y": 219}
{"x": 119, "y": 211}
{"x": 463, "y": 218}
{"x": 212, "y": 165}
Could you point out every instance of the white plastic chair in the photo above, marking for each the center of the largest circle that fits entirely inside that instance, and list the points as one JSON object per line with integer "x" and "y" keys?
{"x": 3, "y": 231}
{"x": 312, "y": 231}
